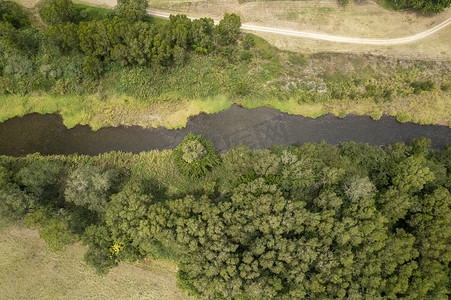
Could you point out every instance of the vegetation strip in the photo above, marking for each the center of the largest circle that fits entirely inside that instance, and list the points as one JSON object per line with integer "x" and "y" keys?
{"x": 330, "y": 38}
{"x": 288, "y": 222}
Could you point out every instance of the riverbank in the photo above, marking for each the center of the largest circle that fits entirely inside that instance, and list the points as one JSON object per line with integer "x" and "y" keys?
{"x": 250, "y": 73}
{"x": 124, "y": 110}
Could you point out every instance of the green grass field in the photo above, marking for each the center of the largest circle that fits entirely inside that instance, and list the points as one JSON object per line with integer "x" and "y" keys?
{"x": 30, "y": 270}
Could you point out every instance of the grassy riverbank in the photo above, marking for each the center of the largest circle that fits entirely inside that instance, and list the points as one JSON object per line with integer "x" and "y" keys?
{"x": 340, "y": 84}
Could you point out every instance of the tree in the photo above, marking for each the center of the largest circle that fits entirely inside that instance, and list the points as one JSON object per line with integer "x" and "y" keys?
{"x": 202, "y": 35}
{"x": 90, "y": 187}
{"x": 15, "y": 203}
{"x": 131, "y": 10}
{"x": 58, "y": 12}
{"x": 180, "y": 31}
{"x": 40, "y": 178}
{"x": 126, "y": 216}
{"x": 429, "y": 6}
{"x": 99, "y": 255}
{"x": 228, "y": 29}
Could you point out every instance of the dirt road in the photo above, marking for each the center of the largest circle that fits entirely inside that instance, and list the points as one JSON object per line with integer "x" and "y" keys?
{"x": 331, "y": 38}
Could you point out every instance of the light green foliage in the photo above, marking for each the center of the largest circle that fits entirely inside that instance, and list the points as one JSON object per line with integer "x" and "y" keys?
{"x": 56, "y": 12}
{"x": 90, "y": 187}
{"x": 195, "y": 156}
{"x": 193, "y": 150}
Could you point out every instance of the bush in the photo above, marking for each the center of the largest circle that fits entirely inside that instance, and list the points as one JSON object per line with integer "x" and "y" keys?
{"x": 15, "y": 203}
{"x": 56, "y": 12}
{"x": 92, "y": 66}
{"x": 13, "y": 14}
{"x": 195, "y": 156}
{"x": 248, "y": 41}
{"x": 420, "y": 86}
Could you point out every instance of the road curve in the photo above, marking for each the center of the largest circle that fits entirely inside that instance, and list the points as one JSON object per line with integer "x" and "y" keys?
{"x": 331, "y": 38}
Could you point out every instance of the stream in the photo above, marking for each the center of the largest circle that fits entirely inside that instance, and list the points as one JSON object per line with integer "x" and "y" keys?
{"x": 257, "y": 128}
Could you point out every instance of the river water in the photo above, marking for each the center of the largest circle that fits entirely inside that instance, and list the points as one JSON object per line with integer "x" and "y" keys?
{"x": 258, "y": 128}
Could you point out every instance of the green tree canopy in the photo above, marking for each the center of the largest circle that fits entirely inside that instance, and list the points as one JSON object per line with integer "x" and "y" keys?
{"x": 131, "y": 10}
{"x": 90, "y": 187}
{"x": 58, "y": 12}
{"x": 228, "y": 29}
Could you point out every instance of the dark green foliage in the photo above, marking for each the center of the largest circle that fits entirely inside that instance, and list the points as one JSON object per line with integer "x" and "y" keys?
{"x": 92, "y": 66}
{"x": 425, "y": 6}
{"x": 15, "y": 203}
{"x": 429, "y": 6}
{"x": 228, "y": 29}
{"x": 248, "y": 41}
{"x": 314, "y": 221}
{"x": 40, "y": 177}
{"x": 195, "y": 156}
{"x": 18, "y": 66}
{"x": 55, "y": 228}
{"x": 5, "y": 177}
{"x": 14, "y": 14}
{"x": 419, "y": 86}
{"x": 90, "y": 187}
{"x": 99, "y": 255}
{"x": 202, "y": 35}
{"x": 58, "y": 12}
{"x": 131, "y": 10}
{"x": 126, "y": 214}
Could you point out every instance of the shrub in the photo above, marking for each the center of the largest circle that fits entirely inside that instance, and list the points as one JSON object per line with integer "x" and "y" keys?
{"x": 195, "y": 156}
{"x": 92, "y": 66}
{"x": 56, "y": 12}
{"x": 248, "y": 41}
{"x": 419, "y": 86}
{"x": 14, "y": 203}
{"x": 13, "y": 14}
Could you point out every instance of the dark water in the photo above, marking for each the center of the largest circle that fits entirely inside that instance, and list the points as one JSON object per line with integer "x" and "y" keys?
{"x": 258, "y": 128}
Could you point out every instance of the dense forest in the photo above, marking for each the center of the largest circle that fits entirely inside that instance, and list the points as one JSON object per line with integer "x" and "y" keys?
{"x": 310, "y": 221}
